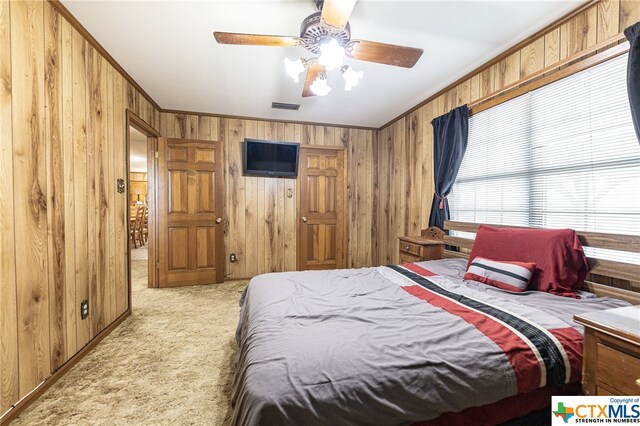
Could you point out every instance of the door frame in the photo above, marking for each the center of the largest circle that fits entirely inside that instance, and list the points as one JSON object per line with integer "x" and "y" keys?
{"x": 132, "y": 120}
{"x": 345, "y": 215}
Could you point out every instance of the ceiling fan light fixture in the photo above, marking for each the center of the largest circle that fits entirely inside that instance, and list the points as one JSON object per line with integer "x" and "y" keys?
{"x": 295, "y": 68}
{"x": 327, "y": 36}
{"x": 320, "y": 86}
{"x": 331, "y": 54}
{"x": 351, "y": 77}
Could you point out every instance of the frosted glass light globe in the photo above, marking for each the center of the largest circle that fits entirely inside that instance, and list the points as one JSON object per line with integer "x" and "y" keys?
{"x": 351, "y": 77}
{"x": 320, "y": 86}
{"x": 332, "y": 54}
{"x": 294, "y": 68}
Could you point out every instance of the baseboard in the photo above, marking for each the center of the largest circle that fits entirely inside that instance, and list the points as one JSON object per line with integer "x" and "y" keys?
{"x": 228, "y": 279}
{"x": 28, "y": 399}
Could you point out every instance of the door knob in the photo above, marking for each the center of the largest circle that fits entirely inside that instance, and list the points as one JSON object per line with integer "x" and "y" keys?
{"x": 218, "y": 220}
{"x": 304, "y": 219}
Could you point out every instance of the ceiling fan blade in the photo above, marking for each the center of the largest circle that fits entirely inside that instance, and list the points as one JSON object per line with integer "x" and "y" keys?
{"x": 382, "y": 53}
{"x": 255, "y": 39}
{"x": 336, "y": 13}
{"x": 313, "y": 71}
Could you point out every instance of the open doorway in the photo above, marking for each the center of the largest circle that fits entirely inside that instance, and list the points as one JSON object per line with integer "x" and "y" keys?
{"x": 138, "y": 197}
{"x": 142, "y": 142}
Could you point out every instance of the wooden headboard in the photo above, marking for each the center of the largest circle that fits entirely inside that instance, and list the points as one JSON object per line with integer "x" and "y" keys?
{"x": 606, "y": 277}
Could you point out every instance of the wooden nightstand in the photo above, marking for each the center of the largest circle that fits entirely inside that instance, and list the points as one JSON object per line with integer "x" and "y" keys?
{"x": 611, "y": 363}
{"x": 417, "y": 249}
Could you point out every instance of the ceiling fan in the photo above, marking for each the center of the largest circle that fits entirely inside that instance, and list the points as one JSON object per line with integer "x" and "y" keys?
{"x": 328, "y": 34}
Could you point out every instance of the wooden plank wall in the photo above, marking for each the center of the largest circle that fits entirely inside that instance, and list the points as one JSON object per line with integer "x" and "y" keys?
{"x": 405, "y": 147}
{"x": 62, "y": 225}
{"x": 261, "y": 219}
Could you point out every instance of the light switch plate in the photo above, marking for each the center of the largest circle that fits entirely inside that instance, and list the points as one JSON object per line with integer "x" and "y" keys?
{"x": 120, "y": 186}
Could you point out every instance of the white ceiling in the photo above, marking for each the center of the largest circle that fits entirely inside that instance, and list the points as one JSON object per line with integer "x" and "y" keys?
{"x": 137, "y": 151}
{"x": 168, "y": 48}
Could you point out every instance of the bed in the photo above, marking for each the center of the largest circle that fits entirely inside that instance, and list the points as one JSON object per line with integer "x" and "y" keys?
{"x": 403, "y": 344}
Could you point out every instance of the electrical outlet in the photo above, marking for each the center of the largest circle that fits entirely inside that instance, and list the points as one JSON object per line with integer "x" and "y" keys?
{"x": 233, "y": 258}
{"x": 84, "y": 309}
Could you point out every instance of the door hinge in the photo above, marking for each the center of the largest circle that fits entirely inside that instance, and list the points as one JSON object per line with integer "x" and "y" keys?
{"x": 155, "y": 154}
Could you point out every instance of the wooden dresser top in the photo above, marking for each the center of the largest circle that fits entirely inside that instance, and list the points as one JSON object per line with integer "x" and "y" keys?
{"x": 421, "y": 240}
{"x": 620, "y": 322}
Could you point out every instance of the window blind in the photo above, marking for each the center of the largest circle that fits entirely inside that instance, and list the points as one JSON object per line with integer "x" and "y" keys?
{"x": 562, "y": 156}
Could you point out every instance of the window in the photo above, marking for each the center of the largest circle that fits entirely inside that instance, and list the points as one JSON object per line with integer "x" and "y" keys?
{"x": 562, "y": 156}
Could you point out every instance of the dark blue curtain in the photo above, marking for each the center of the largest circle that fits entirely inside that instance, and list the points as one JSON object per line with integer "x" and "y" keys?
{"x": 450, "y": 135}
{"x": 633, "y": 74}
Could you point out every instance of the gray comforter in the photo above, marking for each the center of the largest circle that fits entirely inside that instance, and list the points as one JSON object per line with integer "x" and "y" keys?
{"x": 357, "y": 347}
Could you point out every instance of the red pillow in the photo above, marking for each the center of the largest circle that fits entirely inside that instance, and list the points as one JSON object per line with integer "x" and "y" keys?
{"x": 561, "y": 263}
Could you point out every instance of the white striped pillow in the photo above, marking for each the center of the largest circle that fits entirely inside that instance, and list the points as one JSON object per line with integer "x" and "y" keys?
{"x": 512, "y": 276}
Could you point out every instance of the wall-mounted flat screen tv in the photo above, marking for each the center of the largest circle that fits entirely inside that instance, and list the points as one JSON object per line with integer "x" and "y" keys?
{"x": 272, "y": 159}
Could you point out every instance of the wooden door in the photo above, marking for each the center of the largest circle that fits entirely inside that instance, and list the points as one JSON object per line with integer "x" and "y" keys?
{"x": 322, "y": 209}
{"x": 190, "y": 211}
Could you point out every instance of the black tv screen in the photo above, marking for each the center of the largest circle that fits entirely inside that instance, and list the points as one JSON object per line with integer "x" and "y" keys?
{"x": 273, "y": 159}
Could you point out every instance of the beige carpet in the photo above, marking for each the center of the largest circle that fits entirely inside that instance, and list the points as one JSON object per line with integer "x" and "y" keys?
{"x": 140, "y": 253}
{"x": 170, "y": 362}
